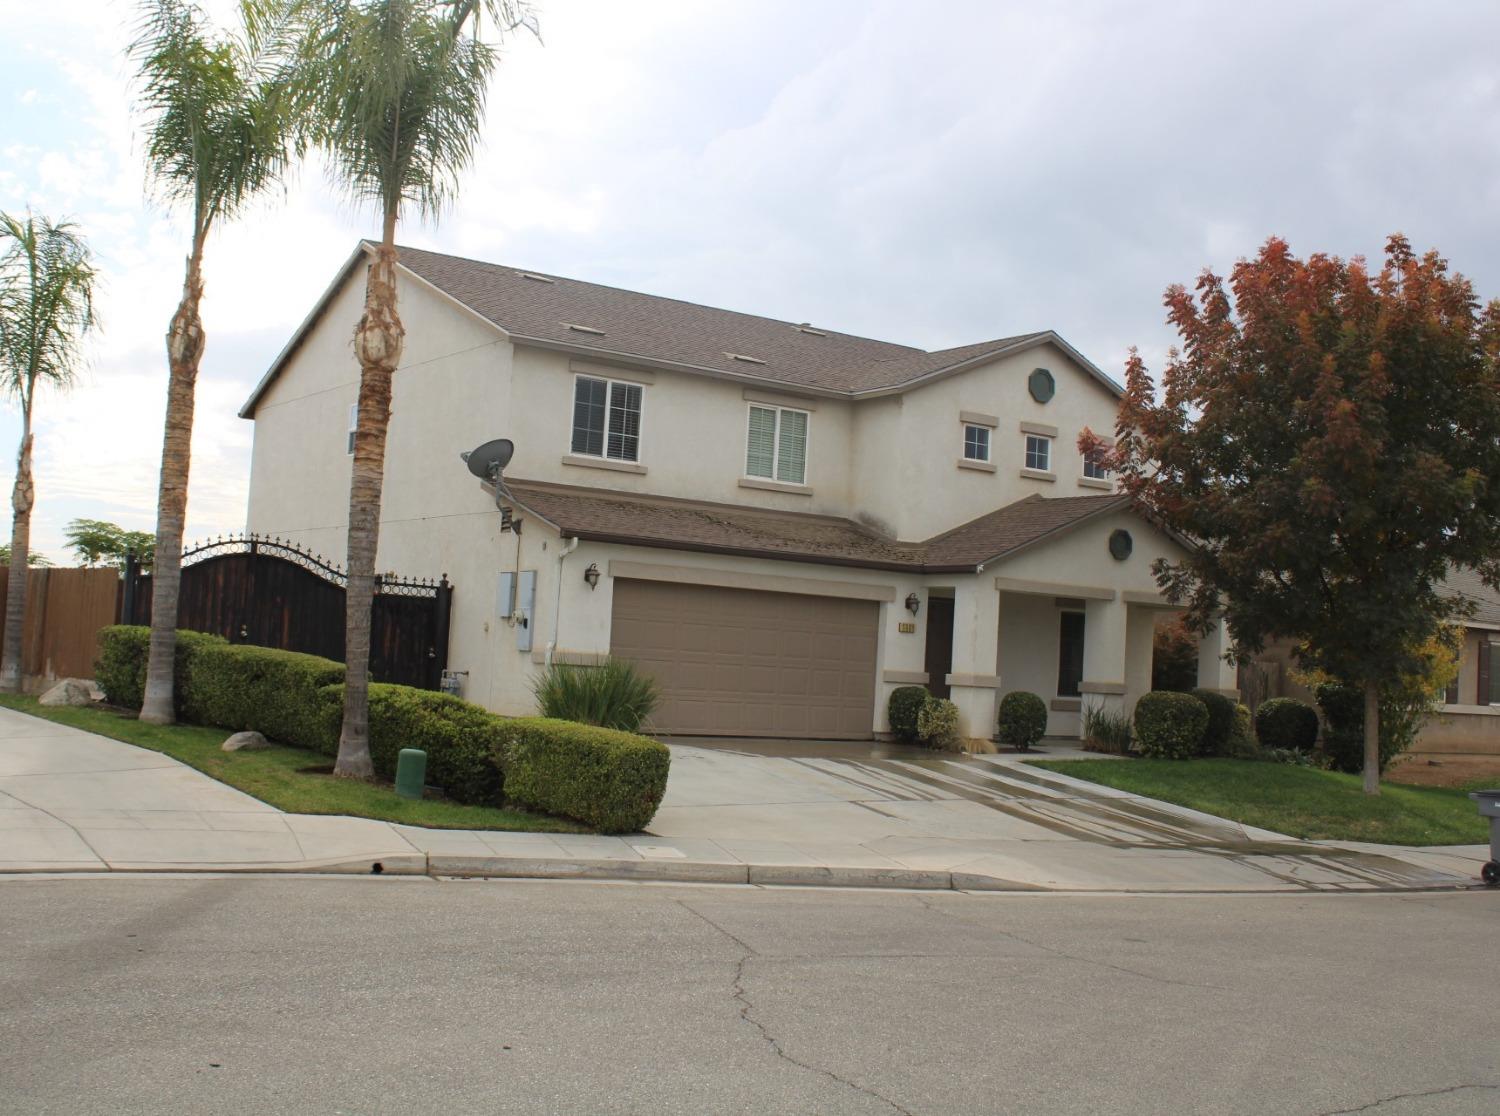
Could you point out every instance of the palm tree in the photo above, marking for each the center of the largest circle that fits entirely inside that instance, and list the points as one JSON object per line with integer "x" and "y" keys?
{"x": 399, "y": 88}
{"x": 217, "y": 135}
{"x": 46, "y": 306}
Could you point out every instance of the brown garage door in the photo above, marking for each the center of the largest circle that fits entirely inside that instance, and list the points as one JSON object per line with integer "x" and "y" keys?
{"x": 735, "y": 662}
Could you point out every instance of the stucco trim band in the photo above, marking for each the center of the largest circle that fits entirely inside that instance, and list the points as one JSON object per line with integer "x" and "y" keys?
{"x": 978, "y": 418}
{"x": 1096, "y": 482}
{"x": 766, "y": 583}
{"x": 1150, "y": 600}
{"x": 776, "y": 486}
{"x": 919, "y": 678}
{"x": 630, "y": 375}
{"x": 1101, "y": 687}
{"x": 982, "y": 466}
{"x": 973, "y": 681}
{"x": 1053, "y": 589}
{"x": 778, "y": 399}
{"x": 1038, "y": 474}
{"x": 1041, "y": 428}
{"x": 604, "y": 463}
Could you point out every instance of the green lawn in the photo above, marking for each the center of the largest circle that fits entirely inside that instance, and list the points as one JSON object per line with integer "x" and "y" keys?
{"x": 276, "y": 775}
{"x": 1297, "y": 801}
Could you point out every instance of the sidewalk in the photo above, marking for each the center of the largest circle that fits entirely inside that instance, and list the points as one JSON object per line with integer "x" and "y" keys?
{"x": 71, "y": 801}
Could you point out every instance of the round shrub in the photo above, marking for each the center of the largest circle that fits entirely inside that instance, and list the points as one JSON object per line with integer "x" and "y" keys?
{"x": 1220, "y": 722}
{"x": 903, "y": 707}
{"x": 1169, "y": 725}
{"x": 1242, "y": 737}
{"x": 1023, "y": 719}
{"x": 1286, "y": 723}
{"x": 937, "y": 725}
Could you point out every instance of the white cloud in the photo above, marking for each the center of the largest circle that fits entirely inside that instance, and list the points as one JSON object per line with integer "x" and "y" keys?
{"x": 931, "y": 175}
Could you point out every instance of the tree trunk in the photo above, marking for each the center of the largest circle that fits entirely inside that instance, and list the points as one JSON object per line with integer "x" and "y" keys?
{"x": 23, "y": 496}
{"x": 377, "y": 342}
{"x": 1372, "y": 738}
{"x": 184, "y": 351}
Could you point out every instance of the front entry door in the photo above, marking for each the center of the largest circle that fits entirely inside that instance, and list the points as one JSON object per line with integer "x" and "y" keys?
{"x": 939, "y": 657}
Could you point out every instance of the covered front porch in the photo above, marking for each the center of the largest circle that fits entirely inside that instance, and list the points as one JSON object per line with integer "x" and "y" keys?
{"x": 1071, "y": 619}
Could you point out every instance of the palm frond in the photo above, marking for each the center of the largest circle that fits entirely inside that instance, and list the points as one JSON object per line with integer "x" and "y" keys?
{"x": 217, "y": 125}
{"x": 400, "y": 89}
{"x": 47, "y": 279}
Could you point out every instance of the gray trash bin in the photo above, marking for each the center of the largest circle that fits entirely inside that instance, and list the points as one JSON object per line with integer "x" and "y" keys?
{"x": 1489, "y": 807}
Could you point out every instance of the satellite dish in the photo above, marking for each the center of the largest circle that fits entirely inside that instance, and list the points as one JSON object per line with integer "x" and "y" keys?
{"x": 487, "y": 461}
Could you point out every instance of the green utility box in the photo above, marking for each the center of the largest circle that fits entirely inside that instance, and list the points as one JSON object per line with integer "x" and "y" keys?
{"x": 411, "y": 772}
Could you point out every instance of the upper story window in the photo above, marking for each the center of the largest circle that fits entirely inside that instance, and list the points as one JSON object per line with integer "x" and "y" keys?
{"x": 976, "y": 442}
{"x": 607, "y": 419}
{"x": 1039, "y": 453}
{"x": 776, "y": 446}
{"x": 1093, "y": 465}
{"x": 353, "y": 426}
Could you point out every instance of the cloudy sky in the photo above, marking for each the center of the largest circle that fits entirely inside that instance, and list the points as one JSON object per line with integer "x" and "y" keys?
{"x": 933, "y": 174}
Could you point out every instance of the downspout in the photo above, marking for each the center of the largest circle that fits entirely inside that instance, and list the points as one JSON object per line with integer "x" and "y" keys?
{"x": 557, "y": 601}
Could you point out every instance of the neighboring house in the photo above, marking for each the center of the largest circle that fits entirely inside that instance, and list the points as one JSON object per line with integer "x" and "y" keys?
{"x": 780, "y": 522}
{"x": 1468, "y": 722}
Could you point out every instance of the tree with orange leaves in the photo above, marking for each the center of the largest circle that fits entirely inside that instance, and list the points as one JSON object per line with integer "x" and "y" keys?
{"x": 1330, "y": 439}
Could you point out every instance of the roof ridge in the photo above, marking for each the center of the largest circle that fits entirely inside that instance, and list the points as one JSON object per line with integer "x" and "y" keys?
{"x": 910, "y": 350}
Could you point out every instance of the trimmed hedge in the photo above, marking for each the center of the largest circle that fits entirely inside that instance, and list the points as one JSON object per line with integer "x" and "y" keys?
{"x": 903, "y": 708}
{"x": 1220, "y": 722}
{"x": 609, "y": 779}
{"x": 1286, "y": 723}
{"x": 1169, "y": 725}
{"x": 121, "y": 669}
{"x": 1023, "y": 719}
{"x": 458, "y": 737}
{"x": 276, "y": 693}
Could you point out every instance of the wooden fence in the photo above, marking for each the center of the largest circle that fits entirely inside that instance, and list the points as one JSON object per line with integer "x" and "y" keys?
{"x": 64, "y": 611}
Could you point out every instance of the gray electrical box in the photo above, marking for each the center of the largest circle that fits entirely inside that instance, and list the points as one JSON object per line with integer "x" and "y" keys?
{"x": 525, "y": 606}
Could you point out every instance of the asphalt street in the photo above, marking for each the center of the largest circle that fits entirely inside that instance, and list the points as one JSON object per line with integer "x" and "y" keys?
{"x": 224, "y": 994}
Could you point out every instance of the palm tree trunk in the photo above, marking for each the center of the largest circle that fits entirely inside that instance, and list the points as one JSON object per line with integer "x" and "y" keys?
{"x": 377, "y": 342}
{"x": 184, "y": 351}
{"x": 1372, "y": 738}
{"x": 23, "y": 496}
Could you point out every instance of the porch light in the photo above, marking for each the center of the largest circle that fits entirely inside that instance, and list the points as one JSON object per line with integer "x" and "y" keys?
{"x": 913, "y": 602}
{"x": 591, "y": 575}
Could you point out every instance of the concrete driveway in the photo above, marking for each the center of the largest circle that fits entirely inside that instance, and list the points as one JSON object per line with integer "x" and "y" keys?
{"x": 885, "y": 806}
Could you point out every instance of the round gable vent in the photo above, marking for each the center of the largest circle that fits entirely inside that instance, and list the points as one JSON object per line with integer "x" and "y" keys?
{"x": 1041, "y": 385}
{"x": 1120, "y": 544}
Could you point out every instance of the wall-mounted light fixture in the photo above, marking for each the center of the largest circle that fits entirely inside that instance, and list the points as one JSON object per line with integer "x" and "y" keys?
{"x": 591, "y": 575}
{"x": 913, "y": 602}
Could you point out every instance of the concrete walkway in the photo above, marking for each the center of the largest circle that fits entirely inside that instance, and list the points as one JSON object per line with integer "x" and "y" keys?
{"x": 72, "y": 801}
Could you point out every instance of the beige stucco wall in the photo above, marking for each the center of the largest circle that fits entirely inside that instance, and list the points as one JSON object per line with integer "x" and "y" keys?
{"x": 906, "y": 463}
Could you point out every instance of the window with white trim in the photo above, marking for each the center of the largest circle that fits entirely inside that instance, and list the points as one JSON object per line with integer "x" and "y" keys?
{"x": 607, "y": 419}
{"x": 1039, "y": 453}
{"x": 1093, "y": 464}
{"x": 353, "y": 426}
{"x": 976, "y": 442}
{"x": 776, "y": 445}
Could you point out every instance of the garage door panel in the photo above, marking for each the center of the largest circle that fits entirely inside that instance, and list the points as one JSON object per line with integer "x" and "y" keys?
{"x": 735, "y": 662}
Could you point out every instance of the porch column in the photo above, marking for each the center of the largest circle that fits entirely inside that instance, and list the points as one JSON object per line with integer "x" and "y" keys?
{"x": 1214, "y": 673}
{"x": 975, "y": 680}
{"x": 900, "y": 649}
{"x": 1140, "y": 630}
{"x": 1105, "y": 627}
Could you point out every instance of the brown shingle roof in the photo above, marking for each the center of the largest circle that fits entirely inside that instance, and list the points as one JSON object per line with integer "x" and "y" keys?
{"x": 544, "y": 309}
{"x": 1465, "y": 583}
{"x": 600, "y": 515}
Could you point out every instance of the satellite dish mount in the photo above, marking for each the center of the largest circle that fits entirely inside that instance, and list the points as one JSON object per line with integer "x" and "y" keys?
{"x": 488, "y": 462}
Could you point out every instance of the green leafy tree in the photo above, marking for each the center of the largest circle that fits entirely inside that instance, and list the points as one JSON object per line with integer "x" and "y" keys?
{"x": 397, "y": 90}
{"x": 97, "y": 542}
{"x": 34, "y": 558}
{"x": 218, "y": 130}
{"x": 1330, "y": 438}
{"x": 47, "y": 278}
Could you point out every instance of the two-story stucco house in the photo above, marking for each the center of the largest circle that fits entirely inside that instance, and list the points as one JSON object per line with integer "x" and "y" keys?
{"x": 780, "y": 522}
